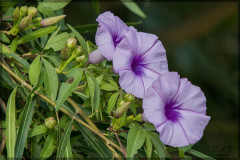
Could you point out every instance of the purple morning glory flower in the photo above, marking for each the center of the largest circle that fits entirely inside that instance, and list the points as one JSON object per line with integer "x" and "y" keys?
{"x": 110, "y": 32}
{"x": 177, "y": 109}
{"x": 139, "y": 59}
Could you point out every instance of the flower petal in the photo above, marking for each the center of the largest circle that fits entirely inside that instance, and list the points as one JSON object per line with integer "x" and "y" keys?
{"x": 110, "y": 32}
{"x": 190, "y": 97}
{"x": 129, "y": 82}
{"x": 193, "y": 124}
{"x": 167, "y": 85}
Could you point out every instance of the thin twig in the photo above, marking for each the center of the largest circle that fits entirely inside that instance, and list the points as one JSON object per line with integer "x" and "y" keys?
{"x": 2, "y": 146}
{"x": 119, "y": 141}
{"x": 3, "y": 105}
{"x": 4, "y": 137}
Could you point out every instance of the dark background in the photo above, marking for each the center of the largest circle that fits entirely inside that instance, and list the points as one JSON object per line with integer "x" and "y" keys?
{"x": 201, "y": 40}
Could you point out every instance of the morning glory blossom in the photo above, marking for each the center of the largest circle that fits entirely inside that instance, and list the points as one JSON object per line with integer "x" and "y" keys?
{"x": 177, "y": 109}
{"x": 139, "y": 59}
{"x": 110, "y": 32}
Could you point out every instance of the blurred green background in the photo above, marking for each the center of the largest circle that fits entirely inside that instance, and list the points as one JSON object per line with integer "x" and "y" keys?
{"x": 201, "y": 40}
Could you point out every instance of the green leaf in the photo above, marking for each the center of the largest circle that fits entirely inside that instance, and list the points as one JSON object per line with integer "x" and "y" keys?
{"x": 4, "y": 49}
{"x": 109, "y": 87}
{"x": 36, "y": 34}
{"x": 80, "y": 39}
{"x": 49, "y": 145}
{"x": 158, "y": 145}
{"x": 46, "y": 10}
{"x": 95, "y": 4}
{"x": 64, "y": 140}
{"x": 52, "y": 36}
{"x": 135, "y": 139}
{"x": 148, "y": 147}
{"x": 4, "y": 38}
{"x": 75, "y": 76}
{"x": 186, "y": 148}
{"x": 40, "y": 129}
{"x": 132, "y": 6}
{"x": 112, "y": 101}
{"x": 11, "y": 124}
{"x": 68, "y": 154}
{"x": 199, "y": 154}
{"x": 50, "y": 80}
{"x": 8, "y": 13}
{"x": 94, "y": 90}
{"x": 53, "y": 5}
{"x": 24, "y": 126}
{"x": 82, "y": 95}
{"x": 95, "y": 142}
{"x": 93, "y": 27}
{"x": 58, "y": 42}
{"x": 34, "y": 70}
{"x": 13, "y": 45}
{"x": 23, "y": 62}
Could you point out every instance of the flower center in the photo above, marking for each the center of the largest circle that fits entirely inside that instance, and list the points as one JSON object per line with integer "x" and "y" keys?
{"x": 171, "y": 113}
{"x": 137, "y": 66}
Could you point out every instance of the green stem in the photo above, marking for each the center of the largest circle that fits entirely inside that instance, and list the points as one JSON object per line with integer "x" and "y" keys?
{"x": 62, "y": 66}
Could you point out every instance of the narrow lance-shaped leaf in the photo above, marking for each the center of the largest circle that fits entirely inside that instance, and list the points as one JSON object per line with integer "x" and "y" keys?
{"x": 49, "y": 145}
{"x": 24, "y": 126}
{"x": 50, "y": 80}
{"x": 80, "y": 39}
{"x": 34, "y": 70}
{"x": 95, "y": 142}
{"x": 112, "y": 101}
{"x": 158, "y": 145}
{"x": 94, "y": 91}
{"x": 52, "y": 37}
{"x": 4, "y": 49}
{"x": 37, "y": 130}
{"x": 36, "y": 34}
{"x": 74, "y": 78}
{"x": 68, "y": 154}
{"x": 64, "y": 140}
{"x": 132, "y": 6}
{"x": 23, "y": 62}
{"x": 13, "y": 45}
{"x": 199, "y": 154}
{"x": 135, "y": 139}
{"x": 11, "y": 124}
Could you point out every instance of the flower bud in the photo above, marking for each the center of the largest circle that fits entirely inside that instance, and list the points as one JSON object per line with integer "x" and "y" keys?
{"x": 16, "y": 14}
{"x": 71, "y": 43}
{"x": 78, "y": 51}
{"x": 122, "y": 110}
{"x": 51, "y": 21}
{"x": 95, "y": 57}
{"x": 64, "y": 53}
{"x": 23, "y": 11}
{"x": 32, "y": 11}
{"x": 25, "y": 22}
{"x": 37, "y": 19}
{"x": 129, "y": 119}
{"x": 50, "y": 122}
{"x": 138, "y": 118}
{"x": 81, "y": 60}
{"x": 129, "y": 97}
{"x": 121, "y": 102}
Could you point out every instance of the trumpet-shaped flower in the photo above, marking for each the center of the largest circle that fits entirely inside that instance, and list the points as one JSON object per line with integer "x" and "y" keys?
{"x": 110, "y": 32}
{"x": 139, "y": 59}
{"x": 177, "y": 109}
